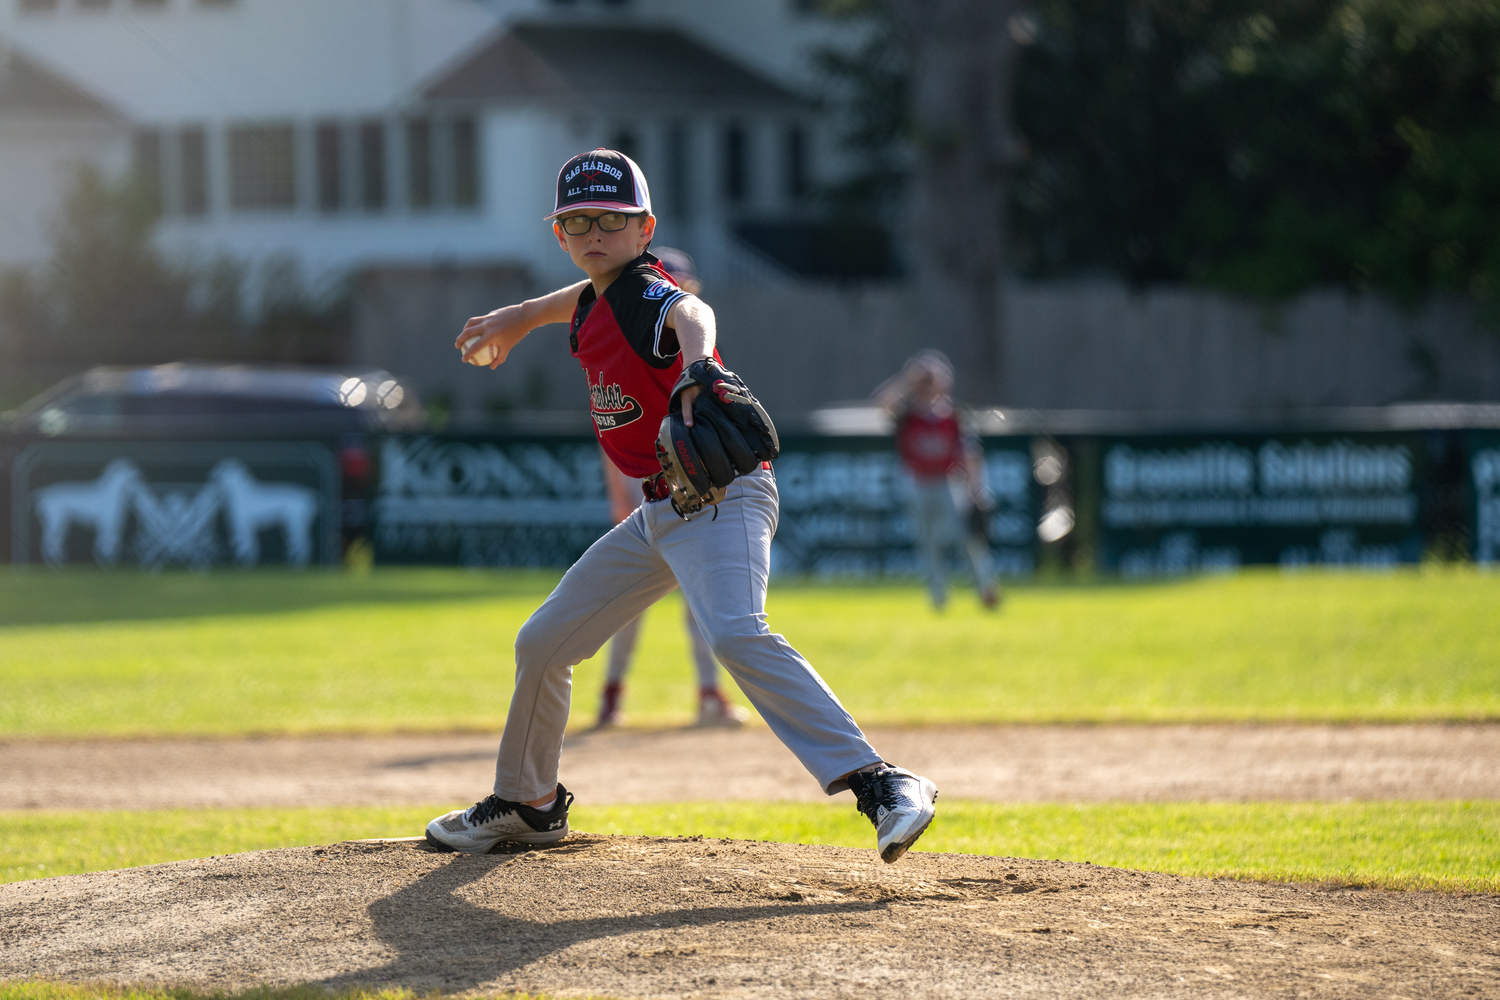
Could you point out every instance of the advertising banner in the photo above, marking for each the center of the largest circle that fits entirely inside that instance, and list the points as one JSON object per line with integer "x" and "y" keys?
{"x": 1182, "y": 504}
{"x": 489, "y": 502}
{"x": 844, "y": 507}
{"x": 542, "y": 502}
{"x": 1484, "y": 485}
{"x": 157, "y": 504}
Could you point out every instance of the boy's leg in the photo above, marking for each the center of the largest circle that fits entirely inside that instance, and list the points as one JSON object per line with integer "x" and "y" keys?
{"x": 621, "y": 649}
{"x": 703, "y": 658}
{"x": 713, "y": 708}
{"x": 983, "y": 562}
{"x": 927, "y": 519}
{"x": 723, "y": 564}
{"x": 617, "y": 579}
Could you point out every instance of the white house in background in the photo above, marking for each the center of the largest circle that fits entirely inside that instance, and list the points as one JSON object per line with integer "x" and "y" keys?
{"x": 353, "y": 132}
{"x": 47, "y": 126}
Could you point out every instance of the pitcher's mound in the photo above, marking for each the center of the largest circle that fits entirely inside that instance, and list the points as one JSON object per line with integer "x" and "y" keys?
{"x": 641, "y": 917}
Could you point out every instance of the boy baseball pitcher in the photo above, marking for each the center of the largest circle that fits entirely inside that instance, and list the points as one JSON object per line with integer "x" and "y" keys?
{"x": 667, "y": 412}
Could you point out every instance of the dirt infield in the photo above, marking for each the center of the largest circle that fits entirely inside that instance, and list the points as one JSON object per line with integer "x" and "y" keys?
{"x": 667, "y": 918}
{"x": 1000, "y": 763}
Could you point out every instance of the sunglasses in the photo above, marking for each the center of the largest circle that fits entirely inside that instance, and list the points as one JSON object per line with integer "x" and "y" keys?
{"x": 609, "y": 222}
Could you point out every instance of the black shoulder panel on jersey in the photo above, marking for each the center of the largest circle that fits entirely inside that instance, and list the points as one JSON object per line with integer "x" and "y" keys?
{"x": 581, "y": 312}
{"x": 640, "y": 299}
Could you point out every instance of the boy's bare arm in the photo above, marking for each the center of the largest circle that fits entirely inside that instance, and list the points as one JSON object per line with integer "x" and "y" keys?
{"x": 697, "y": 333}
{"x": 508, "y": 325}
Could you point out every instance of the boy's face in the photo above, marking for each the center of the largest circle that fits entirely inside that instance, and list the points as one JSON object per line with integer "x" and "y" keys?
{"x": 598, "y": 253}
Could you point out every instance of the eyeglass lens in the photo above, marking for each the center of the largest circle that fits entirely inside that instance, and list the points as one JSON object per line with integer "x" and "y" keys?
{"x": 609, "y": 222}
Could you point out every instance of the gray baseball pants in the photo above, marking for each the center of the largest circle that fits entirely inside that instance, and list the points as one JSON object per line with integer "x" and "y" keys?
{"x": 723, "y": 565}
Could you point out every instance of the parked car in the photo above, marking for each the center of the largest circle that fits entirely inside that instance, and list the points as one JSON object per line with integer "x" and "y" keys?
{"x": 238, "y": 401}
{"x": 125, "y": 409}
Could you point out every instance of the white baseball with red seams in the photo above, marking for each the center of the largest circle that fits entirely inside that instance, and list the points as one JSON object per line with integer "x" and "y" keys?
{"x": 485, "y": 356}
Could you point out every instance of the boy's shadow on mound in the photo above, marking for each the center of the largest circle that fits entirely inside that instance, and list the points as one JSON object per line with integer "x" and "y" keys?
{"x": 442, "y": 940}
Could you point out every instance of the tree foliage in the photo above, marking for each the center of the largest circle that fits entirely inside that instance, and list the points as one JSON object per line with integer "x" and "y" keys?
{"x": 1267, "y": 146}
{"x": 107, "y": 295}
{"x": 1258, "y": 146}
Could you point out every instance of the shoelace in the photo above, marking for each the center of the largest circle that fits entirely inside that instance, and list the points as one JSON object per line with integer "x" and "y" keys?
{"x": 488, "y": 808}
{"x": 878, "y": 791}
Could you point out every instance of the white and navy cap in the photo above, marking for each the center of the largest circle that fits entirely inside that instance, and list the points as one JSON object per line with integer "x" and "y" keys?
{"x": 601, "y": 178}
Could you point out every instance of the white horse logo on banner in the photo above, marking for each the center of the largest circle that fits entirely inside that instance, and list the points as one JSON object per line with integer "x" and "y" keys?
{"x": 101, "y": 505}
{"x": 177, "y": 527}
{"x": 251, "y": 506}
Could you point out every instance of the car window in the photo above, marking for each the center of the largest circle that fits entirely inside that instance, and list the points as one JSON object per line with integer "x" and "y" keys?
{"x": 94, "y": 405}
{"x": 169, "y": 404}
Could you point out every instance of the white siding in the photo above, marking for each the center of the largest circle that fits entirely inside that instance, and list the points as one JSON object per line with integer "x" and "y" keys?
{"x": 39, "y": 160}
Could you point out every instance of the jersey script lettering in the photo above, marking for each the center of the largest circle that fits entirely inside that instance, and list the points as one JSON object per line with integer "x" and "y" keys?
{"x": 610, "y": 407}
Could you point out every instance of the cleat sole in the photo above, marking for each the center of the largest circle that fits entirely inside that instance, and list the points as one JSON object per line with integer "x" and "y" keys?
{"x": 893, "y": 852}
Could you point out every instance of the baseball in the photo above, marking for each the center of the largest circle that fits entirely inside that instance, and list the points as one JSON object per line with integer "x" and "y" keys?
{"x": 486, "y": 356}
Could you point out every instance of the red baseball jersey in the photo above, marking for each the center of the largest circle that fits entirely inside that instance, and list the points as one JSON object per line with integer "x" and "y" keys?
{"x": 631, "y": 360}
{"x": 930, "y": 444}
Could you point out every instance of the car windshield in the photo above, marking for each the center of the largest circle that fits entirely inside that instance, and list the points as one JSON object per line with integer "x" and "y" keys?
{"x": 171, "y": 404}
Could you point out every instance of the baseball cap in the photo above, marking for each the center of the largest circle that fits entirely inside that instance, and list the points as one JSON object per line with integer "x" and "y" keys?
{"x": 601, "y": 178}
{"x": 677, "y": 263}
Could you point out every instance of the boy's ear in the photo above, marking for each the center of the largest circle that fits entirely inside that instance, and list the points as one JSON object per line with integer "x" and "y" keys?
{"x": 557, "y": 230}
{"x": 648, "y": 227}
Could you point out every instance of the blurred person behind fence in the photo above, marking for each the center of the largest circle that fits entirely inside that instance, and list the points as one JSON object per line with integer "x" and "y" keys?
{"x": 945, "y": 464}
{"x": 625, "y": 495}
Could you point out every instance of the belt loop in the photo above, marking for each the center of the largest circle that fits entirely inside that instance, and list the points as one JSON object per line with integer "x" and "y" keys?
{"x": 655, "y": 488}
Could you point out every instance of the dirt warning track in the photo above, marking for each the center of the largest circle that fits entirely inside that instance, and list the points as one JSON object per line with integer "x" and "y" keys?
{"x": 997, "y": 763}
{"x": 667, "y": 918}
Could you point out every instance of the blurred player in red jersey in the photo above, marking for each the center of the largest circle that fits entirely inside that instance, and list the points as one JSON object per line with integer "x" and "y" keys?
{"x": 625, "y": 496}
{"x": 941, "y": 454}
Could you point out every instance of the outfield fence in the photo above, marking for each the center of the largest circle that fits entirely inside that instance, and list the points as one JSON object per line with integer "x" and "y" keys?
{"x": 1371, "y": 490}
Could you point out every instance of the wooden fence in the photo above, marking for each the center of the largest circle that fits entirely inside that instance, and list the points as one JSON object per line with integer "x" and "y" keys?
{"x": 1091, "y": 345}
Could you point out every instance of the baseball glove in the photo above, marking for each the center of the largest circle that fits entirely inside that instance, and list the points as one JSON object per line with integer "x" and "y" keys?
{"x": 731, "y": 435}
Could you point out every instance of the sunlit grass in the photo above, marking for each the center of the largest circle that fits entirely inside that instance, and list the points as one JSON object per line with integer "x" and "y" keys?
{"x": 1451, "y": 846}
{"x": 85, "y": 653}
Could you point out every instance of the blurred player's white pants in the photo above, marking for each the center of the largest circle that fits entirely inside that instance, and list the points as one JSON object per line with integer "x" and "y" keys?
{"x": 935, "y": 518}
{"x": 622, "y": 649}
{"x": 723, "y": 564}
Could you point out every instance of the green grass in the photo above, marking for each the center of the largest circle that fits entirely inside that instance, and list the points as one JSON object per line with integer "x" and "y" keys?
{"x": 1451, "y": 846}
{"x": 122, "y": 653}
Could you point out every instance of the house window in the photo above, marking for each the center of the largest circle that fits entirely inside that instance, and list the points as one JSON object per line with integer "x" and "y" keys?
{"x": 150, "y": 3}
{"x": 419, "y": 172}
{"x": 263, "y": 167}
{"x": 679, "y": 188}
{"x": 92, "y": 4}
{"x": 796, "y": 163}
{"x": 147, "y": 166}
{"x": 372, "y": 165}
{"x": 192, "y": 150}
{"x": 330, "y": 167}
{"x": 465, "y": 163}
{"x": 29, "y": 5}
{"x": 736, "y": 164}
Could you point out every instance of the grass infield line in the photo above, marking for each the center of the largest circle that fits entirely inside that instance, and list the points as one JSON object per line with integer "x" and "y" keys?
{"x": 89, "y": 653}
{"x": 1447, "y": 846}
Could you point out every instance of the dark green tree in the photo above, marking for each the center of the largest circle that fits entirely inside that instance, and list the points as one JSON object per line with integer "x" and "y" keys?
{"x": 1264, "y": 147}
{"x": 1257, "y": 146}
